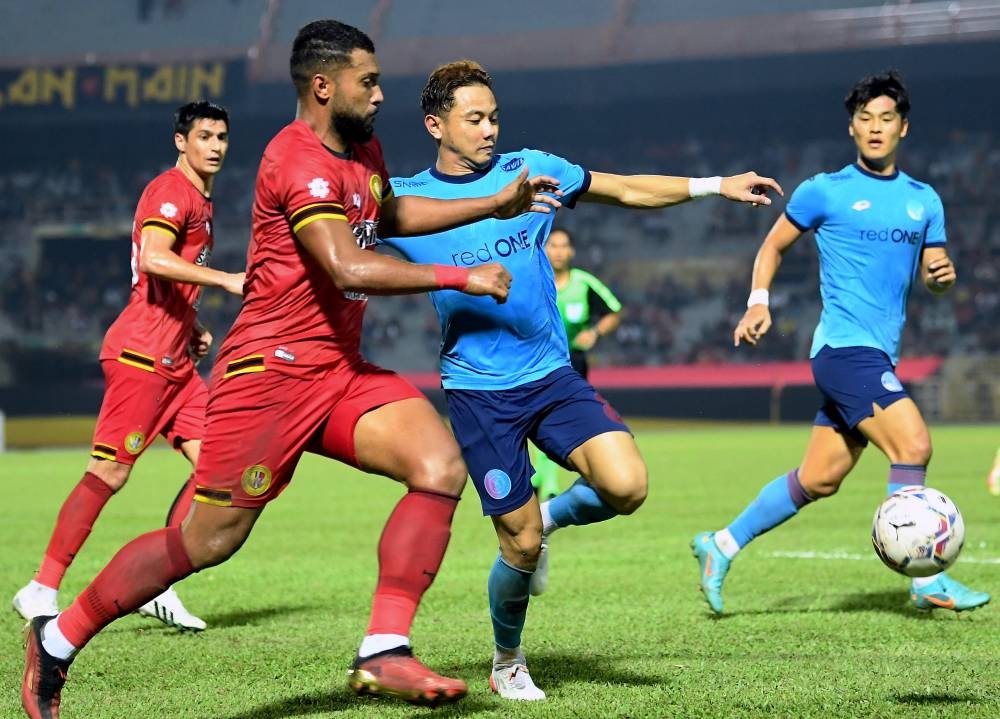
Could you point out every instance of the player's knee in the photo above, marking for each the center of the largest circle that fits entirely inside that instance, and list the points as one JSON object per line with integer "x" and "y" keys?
{"x": 441, "y": 473}
{"x": 113, "y": 474}
{"x": 630, "y": 490}
{"x": 521, "y": 549}
{"x": 823, "y": 484}
{"x": 212, "y": 550}
{"x": 916, "y": 450}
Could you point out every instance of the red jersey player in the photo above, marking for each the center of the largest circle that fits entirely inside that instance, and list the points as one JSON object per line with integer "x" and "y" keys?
{"x": 290, "y": 377}
{"x": 151, "y": 387}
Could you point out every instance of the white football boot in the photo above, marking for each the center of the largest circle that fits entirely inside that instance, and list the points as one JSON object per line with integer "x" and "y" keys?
{"x": 36, "y": 600}
{"x": 512, "y": 681}
{"x": 168, "y": 609}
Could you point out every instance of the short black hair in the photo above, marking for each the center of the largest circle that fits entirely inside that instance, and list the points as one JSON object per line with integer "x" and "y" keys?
{"x": 438, "y": 96}
{"x": 185, "y": 115}
{"x": 324, "y": 43}
{"x": 889, "y": 83}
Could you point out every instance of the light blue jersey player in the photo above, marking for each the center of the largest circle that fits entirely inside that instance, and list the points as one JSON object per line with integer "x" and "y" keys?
{"x": 877, "y": 229}
{"x": 505, "y": 368}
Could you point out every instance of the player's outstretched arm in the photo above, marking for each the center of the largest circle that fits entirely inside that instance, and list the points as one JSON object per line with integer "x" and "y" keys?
{"x": 157, "y": 258}
{"x": 757, "y": 319}
{"x": 352, "y": 269}
{"x": 656, "y": 191}
{"x": 416, "y": 215}
{"x": 937, "y": 269}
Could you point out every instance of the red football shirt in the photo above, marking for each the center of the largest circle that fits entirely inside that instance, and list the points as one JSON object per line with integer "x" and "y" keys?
{"x": 154, "y": 329}
{"x": 293, "y": 318}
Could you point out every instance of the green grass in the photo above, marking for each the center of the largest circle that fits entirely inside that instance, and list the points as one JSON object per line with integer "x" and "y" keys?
{"x": 622, "y": 630}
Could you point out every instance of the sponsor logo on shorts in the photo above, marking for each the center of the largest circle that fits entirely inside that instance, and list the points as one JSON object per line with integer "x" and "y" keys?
{"x": 497, "y": 483}
{"x": 284, "y": 354}
{"x": 134, "y": 442}
{"x": 891, "y": 382}
{"x": 256, "y": 480}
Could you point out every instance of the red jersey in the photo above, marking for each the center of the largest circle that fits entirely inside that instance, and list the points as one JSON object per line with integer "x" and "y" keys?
{"x": 154, "y": 330}
{"x": 293, "y": 318}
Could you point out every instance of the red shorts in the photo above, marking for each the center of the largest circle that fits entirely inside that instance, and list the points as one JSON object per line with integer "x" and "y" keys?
{"x": 260, "y": 422}
{"x": 138, "y": 405}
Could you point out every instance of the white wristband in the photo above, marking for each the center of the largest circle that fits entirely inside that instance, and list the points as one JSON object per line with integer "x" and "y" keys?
{"x": 758, "y": 297}
{"x": 701, "y": 186}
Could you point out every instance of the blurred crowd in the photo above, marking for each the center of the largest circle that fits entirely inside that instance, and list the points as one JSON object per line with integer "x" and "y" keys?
{"x": 682, "y": 274}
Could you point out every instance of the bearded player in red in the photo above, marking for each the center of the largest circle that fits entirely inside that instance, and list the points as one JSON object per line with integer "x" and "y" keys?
{"x": 290, "y": 377}
{"x": 151, "y": 387}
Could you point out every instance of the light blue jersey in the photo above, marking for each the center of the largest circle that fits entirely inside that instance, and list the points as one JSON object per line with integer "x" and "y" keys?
{"x": 870, "y": 233}
{"x": 484, "y": 345}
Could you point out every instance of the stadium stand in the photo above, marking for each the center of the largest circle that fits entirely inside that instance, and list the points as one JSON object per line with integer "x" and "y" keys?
{"x": 65, "y": 214}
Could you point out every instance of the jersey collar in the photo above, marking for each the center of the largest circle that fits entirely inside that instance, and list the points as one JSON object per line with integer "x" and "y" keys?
{"x": 869, "y": 173}
{"x": 463, "y": 179}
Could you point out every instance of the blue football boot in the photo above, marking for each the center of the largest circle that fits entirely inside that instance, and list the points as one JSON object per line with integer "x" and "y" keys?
{"x": 946, "y": 593}
{"x": 714, "y": 565}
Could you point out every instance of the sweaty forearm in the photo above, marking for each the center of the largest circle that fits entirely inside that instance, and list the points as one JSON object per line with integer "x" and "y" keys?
{"x": 376, "y": 274}
{"x": 416, "y": 215}
{"x": 172, "y": 267}
{"x": 765, "y": 267}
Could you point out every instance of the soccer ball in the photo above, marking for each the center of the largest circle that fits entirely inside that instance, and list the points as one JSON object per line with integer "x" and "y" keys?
{"x": 918, "y": 531}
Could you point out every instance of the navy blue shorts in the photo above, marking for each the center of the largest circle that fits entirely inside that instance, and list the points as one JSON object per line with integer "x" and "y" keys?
{"x": 558, "y": 413}
{"x": 852, "y": 379}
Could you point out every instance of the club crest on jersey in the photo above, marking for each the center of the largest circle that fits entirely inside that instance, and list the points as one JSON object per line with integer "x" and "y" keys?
{"x": 318, "y": 187}
{"x": 134, "y": 442}
{"x": 375, "y": 184}
{"x": 256, "y": 480}
{"x": 915, "y": 210}
{"x": 168, "y": 209}
{"x": 497, "y": 483}
{"x": 861, "y": 205}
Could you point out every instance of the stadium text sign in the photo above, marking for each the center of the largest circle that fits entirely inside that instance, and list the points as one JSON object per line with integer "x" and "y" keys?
{"x": 72, "y": 88}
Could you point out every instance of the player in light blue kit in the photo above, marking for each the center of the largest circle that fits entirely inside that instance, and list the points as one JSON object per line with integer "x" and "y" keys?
{"x": 876, "y": 229}
{"x": 505, "y": 368}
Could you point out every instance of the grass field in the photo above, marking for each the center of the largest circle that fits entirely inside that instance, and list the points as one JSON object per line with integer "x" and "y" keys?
{"x": 815, "y": 625}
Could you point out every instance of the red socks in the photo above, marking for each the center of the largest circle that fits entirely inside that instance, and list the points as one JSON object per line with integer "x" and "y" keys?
{"x": 73, "y": 526}
{"x": 140, "y": 571}
{"x": 409, "y": 556}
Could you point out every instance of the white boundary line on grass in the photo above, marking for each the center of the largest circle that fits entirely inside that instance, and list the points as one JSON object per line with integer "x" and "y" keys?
{"x": 854, "y": 557}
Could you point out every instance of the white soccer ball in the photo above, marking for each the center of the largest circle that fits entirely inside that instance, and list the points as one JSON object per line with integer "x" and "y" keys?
{"x": 918, "y": 531}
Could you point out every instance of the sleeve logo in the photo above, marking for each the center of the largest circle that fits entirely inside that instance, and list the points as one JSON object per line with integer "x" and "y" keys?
{"x": 375, "y": 185}
{"x": 168, "y": 209}
{"x": 513, "y": 164}
{"x": 318, "y": 187}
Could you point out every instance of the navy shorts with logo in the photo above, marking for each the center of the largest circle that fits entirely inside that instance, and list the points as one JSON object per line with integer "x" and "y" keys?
{"x": 852, "y": 379}
{"x": 558, "y": 413}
